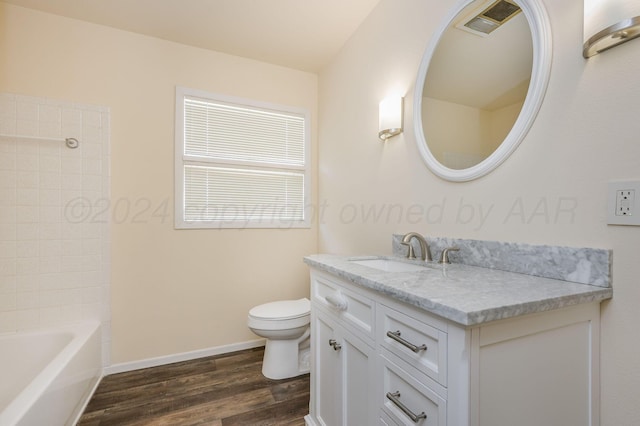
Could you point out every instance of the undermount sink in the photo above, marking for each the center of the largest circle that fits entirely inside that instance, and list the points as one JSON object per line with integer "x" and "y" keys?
{"x": 389, "y": 265}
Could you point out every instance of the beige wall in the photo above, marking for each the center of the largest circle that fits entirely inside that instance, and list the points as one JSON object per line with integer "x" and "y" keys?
{"x": 176, "y": 291}
{"x": 464, "y": 131}
{"x": 585, "y": 135}
{"x": 172, "y": 291}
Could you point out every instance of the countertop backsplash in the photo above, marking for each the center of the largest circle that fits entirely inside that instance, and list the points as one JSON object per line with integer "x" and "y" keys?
{"x": 580, "y": 265}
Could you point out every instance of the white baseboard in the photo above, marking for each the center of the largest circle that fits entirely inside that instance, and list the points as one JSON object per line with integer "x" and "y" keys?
{"x": 184, "y": 356}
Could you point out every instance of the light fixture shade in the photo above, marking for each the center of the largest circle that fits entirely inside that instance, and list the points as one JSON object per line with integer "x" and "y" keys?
{"x": 390, "y": 123}
{"x": 608, "y": 23}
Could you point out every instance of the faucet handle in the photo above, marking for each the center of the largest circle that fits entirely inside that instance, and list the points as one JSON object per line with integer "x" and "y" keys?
{"x": 444, "y": 257}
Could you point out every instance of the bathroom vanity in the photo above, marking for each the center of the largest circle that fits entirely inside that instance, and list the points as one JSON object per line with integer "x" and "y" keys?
{"x": 396, "y": 342}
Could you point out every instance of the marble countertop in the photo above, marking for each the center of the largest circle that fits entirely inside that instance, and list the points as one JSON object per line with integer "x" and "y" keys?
{"x": 467, "y": 295}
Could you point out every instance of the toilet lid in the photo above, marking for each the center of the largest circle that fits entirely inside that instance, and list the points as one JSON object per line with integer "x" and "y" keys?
{"x": 283, "y": 309}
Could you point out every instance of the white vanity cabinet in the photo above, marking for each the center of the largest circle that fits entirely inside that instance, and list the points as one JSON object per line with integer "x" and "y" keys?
{"x": 344, "y": 356}
{"x": 377, "y": 360}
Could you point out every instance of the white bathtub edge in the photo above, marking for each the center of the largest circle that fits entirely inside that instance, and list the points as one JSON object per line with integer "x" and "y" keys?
{"x": 183, "y": 356}
{"x": 76, "y": 418}
{"x": 54, "y": 378}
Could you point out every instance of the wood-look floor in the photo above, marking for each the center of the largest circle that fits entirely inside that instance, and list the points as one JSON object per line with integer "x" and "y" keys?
{"x": 221, "y": 390}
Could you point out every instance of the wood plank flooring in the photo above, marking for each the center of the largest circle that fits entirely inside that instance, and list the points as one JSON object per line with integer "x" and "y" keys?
{"x": 222, "y": 390}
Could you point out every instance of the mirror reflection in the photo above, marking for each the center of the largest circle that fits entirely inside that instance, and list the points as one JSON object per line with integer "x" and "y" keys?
{"x": 476, "y": 82}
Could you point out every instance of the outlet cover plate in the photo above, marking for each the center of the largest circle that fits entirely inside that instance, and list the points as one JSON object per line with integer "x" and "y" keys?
{"x": 631, "y": 205}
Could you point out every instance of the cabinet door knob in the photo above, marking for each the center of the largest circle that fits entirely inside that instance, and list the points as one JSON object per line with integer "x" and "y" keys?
{"x": 395, "y": 335}
{"x": 335, "y": 345}
{"x": 395, "y": 398}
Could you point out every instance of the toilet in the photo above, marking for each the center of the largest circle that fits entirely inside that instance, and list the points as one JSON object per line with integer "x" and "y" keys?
{"x": 285, "y": 325}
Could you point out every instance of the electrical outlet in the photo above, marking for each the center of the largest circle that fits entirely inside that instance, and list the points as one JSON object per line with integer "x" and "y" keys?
{"x": 625, "y": 200}
{"x": 623, "y": 207}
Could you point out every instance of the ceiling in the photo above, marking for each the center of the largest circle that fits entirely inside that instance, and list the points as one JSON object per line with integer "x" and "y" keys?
{"x": 300, "y": 34}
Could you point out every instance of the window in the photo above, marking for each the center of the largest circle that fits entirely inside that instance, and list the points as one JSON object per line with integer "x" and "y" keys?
{"x": 240, "y": 163}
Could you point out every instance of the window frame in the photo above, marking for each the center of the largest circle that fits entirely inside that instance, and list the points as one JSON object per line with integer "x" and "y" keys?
{"x": 181, "y": 160}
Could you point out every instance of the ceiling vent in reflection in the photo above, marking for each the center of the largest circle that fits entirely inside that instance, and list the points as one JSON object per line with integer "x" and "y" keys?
{"x": 496, "y": 14}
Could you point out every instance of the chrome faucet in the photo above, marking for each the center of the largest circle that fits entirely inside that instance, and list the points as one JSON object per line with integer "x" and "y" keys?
{"x": 425, "y": 252}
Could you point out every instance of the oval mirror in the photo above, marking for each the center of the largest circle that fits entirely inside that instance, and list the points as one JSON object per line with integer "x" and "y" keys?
{"x": 480, "y": 85}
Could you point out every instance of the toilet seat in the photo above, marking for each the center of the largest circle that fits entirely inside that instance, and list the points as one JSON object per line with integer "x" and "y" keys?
{"x": 280, "y": 315}
{"x": 282, "y": 309}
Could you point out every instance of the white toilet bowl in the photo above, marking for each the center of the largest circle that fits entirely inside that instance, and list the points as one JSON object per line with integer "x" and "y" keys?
{"x": 285, "y": 325}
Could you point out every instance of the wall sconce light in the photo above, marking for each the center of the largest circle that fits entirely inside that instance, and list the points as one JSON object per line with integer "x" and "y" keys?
{"x": 608, "y": 23}
{"x": 390, "y": 118}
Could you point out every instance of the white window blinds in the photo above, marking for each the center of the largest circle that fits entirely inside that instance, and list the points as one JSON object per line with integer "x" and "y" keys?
{"x": 241, "y": 164}
{"x": 227, "y": 132}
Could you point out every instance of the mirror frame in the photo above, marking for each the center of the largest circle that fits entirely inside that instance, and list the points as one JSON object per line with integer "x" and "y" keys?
{"x": 540, "y": 28}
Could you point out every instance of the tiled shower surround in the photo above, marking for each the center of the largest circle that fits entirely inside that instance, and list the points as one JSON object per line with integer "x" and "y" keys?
{"x": 54, "y": 244}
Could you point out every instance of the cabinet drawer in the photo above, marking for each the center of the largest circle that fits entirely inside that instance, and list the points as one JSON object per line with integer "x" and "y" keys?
{"x": 417, "y": 343}
{"x": 353, "y": 309}
{"x": 385, "y": 420}
{"x": 405, "y": 397}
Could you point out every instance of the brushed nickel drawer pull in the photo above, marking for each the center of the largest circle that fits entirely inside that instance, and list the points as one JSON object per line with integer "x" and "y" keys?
{"x": 335, "y": 345}
{"x": 395, "y": 335}
{"x": 395, "y": 398}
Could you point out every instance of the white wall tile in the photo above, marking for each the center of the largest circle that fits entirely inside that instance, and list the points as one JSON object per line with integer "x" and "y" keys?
{"x": 29, "y": 147}
{"x": 93, "y": 184}
{"x": 7, "y": 249}
{"x": 50, "y": 248}
{"x": 91, "y": 166}
{"x": 7, "y": 321}
{"x": 71, "y": 165}
{"x": 8, "y": 285}
{"x": 27, "y": 283}
{"x": 49, "y": 197}
{"x": 7, "y": 179}
{"x": 27, "y": 179}
{"x": 54, "y": 253}
{"x": 49, "y": 130}
{"x": 50, "y": 214}
{"x": 50, "y": 164}
{"x": 50, "y": 264}
{"x": 27, "y": 162}
{"x": 27, "y": 214}
{"x": 7, "y": 197}
{"x": 7, "y": 125}
{"x": 50, "y": 281}
{"x": 7, "y": 105}
{"x": 27, "y": 231}
{"x": 7, "y": 214}
{"x": 72, "y": 247}
{"x": 7, "y": 161}
{"x": 91, "y": 134}
{"x": 48, "y": 113}
{"x": 7, "y": 145}
{"x": 27, "y": 110}
{"x": 27, "y": 197}
{"x": 7, "y": 302}
{"x": 27, "y": 300}
{"x": 27, "y": 249}
{"x": 27, "y": 266}
{"x": 7, "y": 267}
{"x": 49, "y": 180}
{"x": 7, "y": 231}
{"x": 27, "y": 127}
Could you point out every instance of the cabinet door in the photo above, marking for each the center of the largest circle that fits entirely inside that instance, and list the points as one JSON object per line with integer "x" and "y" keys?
{"x": 358, "y": 381}
{"x": 326, "y": 371}
{"x": 343, "y": 375}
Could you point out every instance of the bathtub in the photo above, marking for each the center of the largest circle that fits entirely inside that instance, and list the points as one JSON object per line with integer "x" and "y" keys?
{"x": 48, "y": 376}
